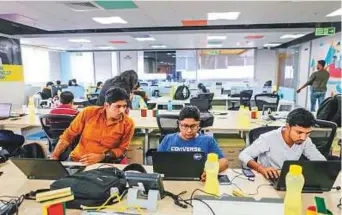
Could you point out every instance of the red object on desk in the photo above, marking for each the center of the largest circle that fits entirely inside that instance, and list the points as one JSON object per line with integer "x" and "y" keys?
{"x": 57, "y": 209}
{"x": 143, "y": 112}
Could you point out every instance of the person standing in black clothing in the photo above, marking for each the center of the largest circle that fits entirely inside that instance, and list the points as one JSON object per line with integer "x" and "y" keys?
{"x": 128, "y": 80}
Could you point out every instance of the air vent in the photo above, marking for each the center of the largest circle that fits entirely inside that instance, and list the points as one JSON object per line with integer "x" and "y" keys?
{"x": 82, "y": 6}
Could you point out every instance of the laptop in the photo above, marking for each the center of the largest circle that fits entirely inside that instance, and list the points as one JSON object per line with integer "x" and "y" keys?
{"x": 45, "y": 169}
{"x": 5, "y": 110}
{"x": 319, "y": 176}
{"x": 182, "y": 166}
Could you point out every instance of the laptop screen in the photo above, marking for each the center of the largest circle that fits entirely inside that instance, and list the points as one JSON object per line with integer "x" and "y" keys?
{"x": 5, "y": 109}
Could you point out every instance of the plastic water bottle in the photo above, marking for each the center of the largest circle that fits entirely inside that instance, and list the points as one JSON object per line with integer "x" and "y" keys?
{"x": 294, "y": 185}
{"x": 169, "y": 105}
{"x": 212, "y": 170}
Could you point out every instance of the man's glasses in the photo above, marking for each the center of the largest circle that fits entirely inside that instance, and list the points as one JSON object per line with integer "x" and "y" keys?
{"x": 186, "y": 127}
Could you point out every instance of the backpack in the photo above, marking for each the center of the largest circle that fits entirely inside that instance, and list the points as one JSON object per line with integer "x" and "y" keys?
{"x": 180, "y": 94}
{"x": 330, "y": 110}
{"x": 31, "y": 150}
{"x": 92, "y": 188}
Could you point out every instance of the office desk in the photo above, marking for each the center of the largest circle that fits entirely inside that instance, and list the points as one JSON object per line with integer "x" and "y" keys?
{"x": 14, "y": 183}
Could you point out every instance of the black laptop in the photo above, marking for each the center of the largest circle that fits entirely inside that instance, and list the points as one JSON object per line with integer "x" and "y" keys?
{"x": 319, "y": 176}
{"x": 45, "y": 169}
{"x": 5, "y": 110}
{"x": 182, "y": 166}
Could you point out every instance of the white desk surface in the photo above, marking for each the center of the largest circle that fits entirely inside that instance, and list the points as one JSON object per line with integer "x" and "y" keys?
{"x": 231, "y": 122}
{"x": 165, "y": 99}
{"x": 13, "y": 182}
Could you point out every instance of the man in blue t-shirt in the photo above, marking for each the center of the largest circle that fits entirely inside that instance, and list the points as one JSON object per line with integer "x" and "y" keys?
{"x": 188, "y": 139}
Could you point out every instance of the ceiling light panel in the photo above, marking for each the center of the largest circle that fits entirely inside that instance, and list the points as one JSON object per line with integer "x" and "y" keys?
{"x": 109, "y": 20}
{"x": 79, "y": 40}
{"x": 223, "y": 16}
{"x": 216, "y": 37}
{"x": 337, "y": 12}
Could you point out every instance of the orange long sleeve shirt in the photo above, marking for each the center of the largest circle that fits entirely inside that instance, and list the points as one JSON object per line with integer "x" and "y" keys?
{"x": 96, "y": 135}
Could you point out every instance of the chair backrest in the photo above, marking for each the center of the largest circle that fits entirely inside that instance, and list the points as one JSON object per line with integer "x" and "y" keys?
{"x": 92, "y": 98}
{"x": 202, "y": 104}
{"x": 323, "y": 139}
{"x": 256, "y": 132}
{"x": 209, "y": 96}
{"x": 55, "y": 124}
{"x": 10, "y": 141}
{"x": 245, "y": 98}
{"x": 271, "y": 100}
{"x": 167, "y": 123}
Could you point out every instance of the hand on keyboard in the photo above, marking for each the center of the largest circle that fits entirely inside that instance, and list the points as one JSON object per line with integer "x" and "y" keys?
{"x": 269, "y": 172}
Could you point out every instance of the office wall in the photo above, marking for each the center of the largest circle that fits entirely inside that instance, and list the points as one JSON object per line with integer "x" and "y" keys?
{"x": 55, "y": 66}
{"x": 266, "y": 66}
{"x": 102, "y": 66}
{"x": 303, "y": 73}
{"x": 128, "y": 60}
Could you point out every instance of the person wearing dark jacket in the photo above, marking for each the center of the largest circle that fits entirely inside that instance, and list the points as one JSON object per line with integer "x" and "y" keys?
{"x": 127, "y": 80}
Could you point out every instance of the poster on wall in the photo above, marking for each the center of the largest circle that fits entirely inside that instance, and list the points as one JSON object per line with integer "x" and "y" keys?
{"x": 329, "y": 49}
{"x": 11, "y": 68}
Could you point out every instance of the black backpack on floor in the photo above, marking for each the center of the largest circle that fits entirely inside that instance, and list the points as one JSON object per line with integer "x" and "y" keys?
{"x": 330, "y": 110}
{"x": 182, "y": 93}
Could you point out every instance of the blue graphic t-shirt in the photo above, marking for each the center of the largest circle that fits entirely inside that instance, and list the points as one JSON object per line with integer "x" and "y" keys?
{"x": 201, "y": 143}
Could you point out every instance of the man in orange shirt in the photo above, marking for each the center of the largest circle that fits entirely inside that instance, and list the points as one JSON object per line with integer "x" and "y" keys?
{"x": 105, "y": 131}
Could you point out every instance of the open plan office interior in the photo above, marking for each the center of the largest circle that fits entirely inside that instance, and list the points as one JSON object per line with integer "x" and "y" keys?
{"x": 244, "y": 64}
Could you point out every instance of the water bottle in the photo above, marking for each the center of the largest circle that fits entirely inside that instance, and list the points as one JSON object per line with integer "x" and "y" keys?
{"x": 212, "y": 169}
{"x": 169, "y": 105}
{"x": 294, "y": 184}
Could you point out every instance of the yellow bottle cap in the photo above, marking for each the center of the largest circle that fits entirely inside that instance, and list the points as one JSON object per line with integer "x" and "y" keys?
{"x": 296, "y": 169}
{"x": 212, "y": 157}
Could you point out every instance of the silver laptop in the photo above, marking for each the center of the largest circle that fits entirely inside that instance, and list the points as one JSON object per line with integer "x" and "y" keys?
{"x": 5, "y": 110}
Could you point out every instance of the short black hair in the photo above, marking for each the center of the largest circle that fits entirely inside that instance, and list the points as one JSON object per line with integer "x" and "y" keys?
{"x": 66, "y": 97}
{"x": 99, "y": 84}
{"x": 300, "y": 117}
{"x": 189, "y": 112}
{"x": 58, "y": 82}
{"x": 322, "y": 63}
{"x": 116, "y": 94}
{"x": 50, "y": 83}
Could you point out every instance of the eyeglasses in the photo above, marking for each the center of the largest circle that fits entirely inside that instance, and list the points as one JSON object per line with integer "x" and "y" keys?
{"x": 186, "y": 127}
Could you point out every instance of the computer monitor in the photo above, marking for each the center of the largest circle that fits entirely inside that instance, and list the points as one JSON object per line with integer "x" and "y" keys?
{"x": 5, "y": 110}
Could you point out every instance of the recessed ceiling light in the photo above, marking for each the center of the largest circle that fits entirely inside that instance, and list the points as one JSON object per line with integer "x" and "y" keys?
{"x": 214, "y": 46}
{"x": 224, "y": 16}
{"x": 79, "y": 40}
{"x": 105, "y": 47}
{"x": 337, "y": 12}
{"x": 142, "y": 39}
{"x": 272, "y": 44}
{"x": 109, "y": 20}
{"x": 216, "y": 37}
{"x": 158, "y": 46}
{"x": 291, "y": 36}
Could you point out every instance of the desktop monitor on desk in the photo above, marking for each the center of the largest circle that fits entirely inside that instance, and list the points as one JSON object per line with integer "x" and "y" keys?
{"x": 78, "y": 91}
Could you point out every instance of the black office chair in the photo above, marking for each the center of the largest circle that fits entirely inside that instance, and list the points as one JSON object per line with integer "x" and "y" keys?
{"x": 54, "y": 125}
{"x": 209, "y": 96}
{"x": 167, "y": 124}
{"x": 324, "y": 139}
{"x": 92, "y": 98}
{"x": 267, "y": 100}
{"x": 245, "y": 99}
{"x": 256, "y": 132}
{"x": 202, "y": 104}
{"x": 11, "y": 142}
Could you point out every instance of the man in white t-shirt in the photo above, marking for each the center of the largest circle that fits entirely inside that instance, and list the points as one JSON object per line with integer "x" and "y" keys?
{"x": 285, "y": 143}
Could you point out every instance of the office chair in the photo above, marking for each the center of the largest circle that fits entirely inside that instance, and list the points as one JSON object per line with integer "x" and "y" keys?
{"x": 10, "y": 142}
{"x": 92, "y": 98}
{"x": 167, "y": 124}
{"x": 245, "y": 99}
{"x": 324, "y": 139}
{"x": 202, "y": 104}
{"x": 54, "y": 125}
{"x": 255, "y": 133}
{"x": 267, "y": 99}
{"x": 209, "y": 96}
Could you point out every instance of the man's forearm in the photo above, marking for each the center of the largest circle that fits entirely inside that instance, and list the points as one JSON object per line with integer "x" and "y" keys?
{"x": 254, "y": 165}
{"x": 223, "y": 164}
{"x": 60, "y": 148}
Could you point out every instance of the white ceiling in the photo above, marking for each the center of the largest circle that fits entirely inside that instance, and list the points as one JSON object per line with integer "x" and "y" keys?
{"x": 55, "y": 15}
{"x": 173, "y": 40}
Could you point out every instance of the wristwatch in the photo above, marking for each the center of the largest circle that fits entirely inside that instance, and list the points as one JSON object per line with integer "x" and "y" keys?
{"x": 108, "y": 156}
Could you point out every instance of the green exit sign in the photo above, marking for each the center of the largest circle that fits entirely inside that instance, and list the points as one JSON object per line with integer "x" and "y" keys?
{"x": 325, "y": 31}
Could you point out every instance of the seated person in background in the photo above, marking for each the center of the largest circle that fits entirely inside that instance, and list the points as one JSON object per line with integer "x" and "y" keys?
{"x": 189, "y": 140}
{"x": 47, "y": 91}
{"x": 73, "y": 82}
{"x": 99, "y": 85}
{"x": 66, "y": 99}
{"x": 202, "y": 89}
{"x": 285, "y": 143}
{"x": 58, "y": 86}
{"x": 105, "y": 132}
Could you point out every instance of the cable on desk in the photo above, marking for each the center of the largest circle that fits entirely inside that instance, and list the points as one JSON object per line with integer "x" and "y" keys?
{"x": 257, "y": 190}
{"x": 200, "y": 200}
